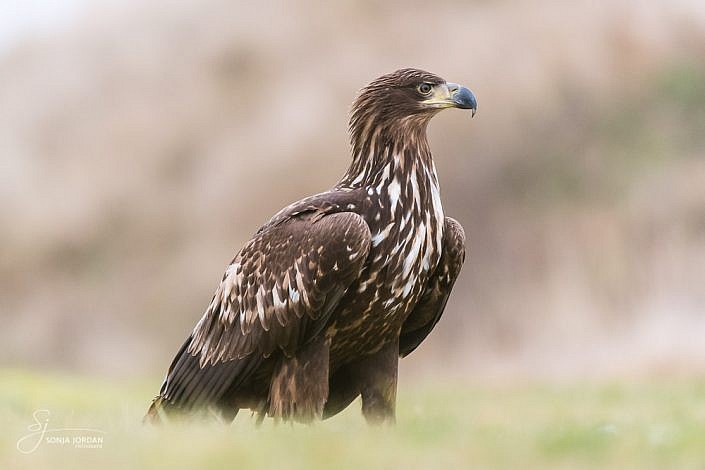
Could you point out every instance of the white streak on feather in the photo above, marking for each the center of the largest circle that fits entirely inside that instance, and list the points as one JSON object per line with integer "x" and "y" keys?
{"x": 437, "y": 206}
{"x": 415, "y": 188}
{"x": 394, "y": 192}
{"x": 300, "y": 284}
{"x": 276, "y": 300}
{"x": 404, "y": 221}
{"x": 358, "y": 178}
{"x": 382, "y": 234}
{"x": 231, "y": 277}
{"x": 259, "y": 298}
{"x": 293, "y": 294}
{"x": 396, "y": 248}
{"x": 384, "y": 178}
{"x": 242, "y": 319}
{"x": 407, "y": 288}
{"x": 414, "y": 251}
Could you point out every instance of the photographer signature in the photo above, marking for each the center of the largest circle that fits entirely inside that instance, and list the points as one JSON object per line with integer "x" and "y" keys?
{"x": 39, "y": 432}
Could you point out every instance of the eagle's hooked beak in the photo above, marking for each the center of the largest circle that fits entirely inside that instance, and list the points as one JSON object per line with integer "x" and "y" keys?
{"x": 452, "y": 95}
{"x": 462, "y": 97}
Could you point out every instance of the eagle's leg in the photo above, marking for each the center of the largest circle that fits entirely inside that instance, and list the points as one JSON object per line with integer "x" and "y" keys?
{"x": 343, "y": 390}
{"x": 299, "y": 387}
{"x": 377, "y": 379}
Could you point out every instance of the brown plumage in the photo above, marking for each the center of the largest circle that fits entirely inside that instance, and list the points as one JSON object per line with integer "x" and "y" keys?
{"x": 319, "y": 305}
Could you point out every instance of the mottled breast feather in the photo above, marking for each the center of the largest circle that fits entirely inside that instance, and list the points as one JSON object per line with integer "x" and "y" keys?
{"x": 433, "y": 301}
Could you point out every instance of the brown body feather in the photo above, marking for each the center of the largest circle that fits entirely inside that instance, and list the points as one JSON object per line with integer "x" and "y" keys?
{"x": 316, "y": 309}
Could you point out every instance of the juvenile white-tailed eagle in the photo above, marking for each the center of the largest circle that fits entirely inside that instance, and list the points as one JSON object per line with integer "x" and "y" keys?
{"x": 319, "y": 305}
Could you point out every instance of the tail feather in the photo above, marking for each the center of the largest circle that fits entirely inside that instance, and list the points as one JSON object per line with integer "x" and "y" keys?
{"x": 189, "y": 385}
{"x": 156, "y": 409}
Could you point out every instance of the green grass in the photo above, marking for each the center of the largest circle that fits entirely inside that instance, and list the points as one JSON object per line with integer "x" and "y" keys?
{"x": 617, "y": 425}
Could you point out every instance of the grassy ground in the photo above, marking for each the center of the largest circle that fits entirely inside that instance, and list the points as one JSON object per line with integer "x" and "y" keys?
{"x": 617, "y": 425}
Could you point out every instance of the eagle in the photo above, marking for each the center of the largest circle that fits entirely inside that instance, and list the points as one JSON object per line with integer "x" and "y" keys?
{"x": 319, "y": 305}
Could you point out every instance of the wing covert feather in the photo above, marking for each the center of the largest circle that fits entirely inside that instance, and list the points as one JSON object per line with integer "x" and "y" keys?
{"x": 280, "y": 282}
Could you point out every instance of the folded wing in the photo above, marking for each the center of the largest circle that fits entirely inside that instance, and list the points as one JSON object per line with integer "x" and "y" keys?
{"x": 277, "y": 294}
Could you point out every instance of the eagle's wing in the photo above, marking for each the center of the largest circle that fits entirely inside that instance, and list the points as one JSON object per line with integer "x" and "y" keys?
{"x": 435, "y": 295}
{"x": 277, "y": 294}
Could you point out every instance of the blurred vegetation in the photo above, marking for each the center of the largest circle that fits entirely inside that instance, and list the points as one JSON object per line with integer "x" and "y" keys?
{"x": 598, "y": 162}
{"x": 653, "y": 424}
{"x": 142, "y": 144}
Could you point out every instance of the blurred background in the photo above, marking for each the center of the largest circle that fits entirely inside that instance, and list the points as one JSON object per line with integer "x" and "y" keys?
{"x": 142, "y": 143}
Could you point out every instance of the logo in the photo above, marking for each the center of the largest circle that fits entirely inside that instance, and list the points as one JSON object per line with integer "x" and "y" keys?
{"x": 40, "y": 433}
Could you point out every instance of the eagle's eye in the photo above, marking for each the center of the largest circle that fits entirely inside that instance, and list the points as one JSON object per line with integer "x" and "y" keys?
{"x": 425, "y": 88}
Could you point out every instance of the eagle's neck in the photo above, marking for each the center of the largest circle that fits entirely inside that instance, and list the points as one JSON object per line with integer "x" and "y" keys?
{"x": 404, "y": 214}
{"x": 387, "y": 152}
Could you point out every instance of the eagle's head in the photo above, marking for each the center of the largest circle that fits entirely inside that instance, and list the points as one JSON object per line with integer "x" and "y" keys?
{"x": 407, "y": 95}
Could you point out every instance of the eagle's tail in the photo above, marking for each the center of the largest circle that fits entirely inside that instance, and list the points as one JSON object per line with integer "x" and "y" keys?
{"x": 155, "y": 412}
{"x": 189, "y": 386}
